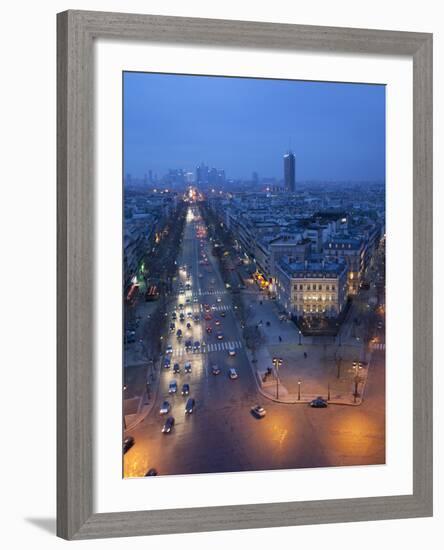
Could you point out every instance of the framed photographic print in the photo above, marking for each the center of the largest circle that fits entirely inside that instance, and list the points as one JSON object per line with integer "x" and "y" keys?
{"x": 244, "y": 274}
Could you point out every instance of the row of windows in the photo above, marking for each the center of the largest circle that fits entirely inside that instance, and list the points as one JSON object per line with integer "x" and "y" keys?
{"x": 323, "y": 298}
{"x": 314, "y": 287}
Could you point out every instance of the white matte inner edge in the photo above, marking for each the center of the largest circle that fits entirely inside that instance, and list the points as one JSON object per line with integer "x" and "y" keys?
{"x": 111, "y": 492}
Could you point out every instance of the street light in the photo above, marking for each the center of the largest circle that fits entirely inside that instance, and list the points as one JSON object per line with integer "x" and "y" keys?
{"x": 299, "y": 390}
{"x": 300, "y": 338}
{"x": 277, "y": 362}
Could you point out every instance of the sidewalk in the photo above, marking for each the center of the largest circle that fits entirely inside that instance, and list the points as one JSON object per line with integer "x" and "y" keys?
{"x": 302, "y": 379}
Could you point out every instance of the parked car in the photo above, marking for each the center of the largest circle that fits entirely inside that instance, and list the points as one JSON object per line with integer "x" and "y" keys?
{"x": 258, "y": 411}
{"x": 172, "y": 388}
{"x": 168, "y": 426}
{"x": 189, "y": 407}
{"x": 185, "y": 389}
{"x": 128, "y": 442}
{"x": 319, "y": 403}
{"x": 165, "y": 408}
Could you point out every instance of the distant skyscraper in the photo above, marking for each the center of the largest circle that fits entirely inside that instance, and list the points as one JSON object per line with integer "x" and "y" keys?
{"x": 202, "y": 174}
{"x": 289, "y": 172}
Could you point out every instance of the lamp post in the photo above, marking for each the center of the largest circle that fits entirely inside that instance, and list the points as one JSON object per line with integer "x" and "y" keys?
{"x": 299, "y": 390}
{"x": 277, "y": 362}
{"x": 300, "y": 338}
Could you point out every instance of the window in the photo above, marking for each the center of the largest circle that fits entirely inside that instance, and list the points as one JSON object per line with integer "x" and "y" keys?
{"x": 319, "y": 287}
{"x": 333, "y": 287}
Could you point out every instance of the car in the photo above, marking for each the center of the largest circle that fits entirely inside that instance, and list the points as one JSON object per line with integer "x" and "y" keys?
{"x": 196, "y": 346}
{"x": 182, "y": 318}
{"x": 208, "y": 316}
{"x": 187, "y": 367}
{"x": 168, "y": 426}
{"x": 165, "y": 408}
{"x": 188, "y": 345}
{"x": 188, "y": 326}
{"x": 179, "y": 333}
{"x": 218, "y": 299}
{"x": 185, "y": 389}
{"x": 215, "y": 370}
{"x": 128, "y": 442}
{"x": 222, "y": 313}
{"x": 217, "y": 322}
{"x": 207, "y": 307}
{"x": 231, "y": 352}
{"x": 169, "y": 349}
{"x": 176, "y": 368}
{"x": 181, "y": 291}
{"x": 151, "y": 472}
{"x": 209, "y": 330}
{"x": 189, "y": 407}
{"x": 213, "y": 307}
{"x": 220, "y": 336}
{"x": 319, "y": 403}
{"x": 188, "y": 301}
{"x": 172, "y": 388}
{"x": 167, "y": 363}
{"x": 232, "y": 374}
{"x": 258, "y": 411}
{"x": 174, "y": 316}
{"x": 181, "y": 306}
{"x": 172, "y": 327}
{"x": 195, "y": 299}
{"x": 196, "y": 318}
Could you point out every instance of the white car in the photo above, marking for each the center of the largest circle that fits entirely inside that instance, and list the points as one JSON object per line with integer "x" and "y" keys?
{"x": 169, "y": 349}
{"x": 218, "y": 299}
{"x": 231, "y": 352}
{"x": 232, "y": 374}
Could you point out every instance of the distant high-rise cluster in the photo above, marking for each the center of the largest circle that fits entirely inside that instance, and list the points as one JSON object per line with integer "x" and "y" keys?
{"x": 209, "y": 176}
{"x": 290, "y": 172}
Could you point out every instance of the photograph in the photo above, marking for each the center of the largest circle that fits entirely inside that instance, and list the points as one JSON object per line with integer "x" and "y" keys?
{"x": 253, "y": 276}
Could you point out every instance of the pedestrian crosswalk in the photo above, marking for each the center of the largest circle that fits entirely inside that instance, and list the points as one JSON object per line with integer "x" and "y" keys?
{"x": 222, "y": 307}
{"x": 380, "y": 347}
{"x": 209, "y": 292}
{"x": 209, "y": 348}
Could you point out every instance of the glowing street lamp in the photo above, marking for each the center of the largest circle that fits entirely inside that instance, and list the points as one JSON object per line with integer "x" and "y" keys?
{"x": 277, "y": 362}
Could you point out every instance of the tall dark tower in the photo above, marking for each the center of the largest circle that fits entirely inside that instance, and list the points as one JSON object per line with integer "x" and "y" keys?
{"x": 289, "y": 172}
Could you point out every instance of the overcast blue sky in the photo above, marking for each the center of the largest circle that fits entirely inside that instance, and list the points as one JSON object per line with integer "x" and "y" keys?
{"x": 337, "y": 131}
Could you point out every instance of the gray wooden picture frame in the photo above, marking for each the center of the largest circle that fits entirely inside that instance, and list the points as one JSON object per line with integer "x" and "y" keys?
{"x": 76, "y": 32}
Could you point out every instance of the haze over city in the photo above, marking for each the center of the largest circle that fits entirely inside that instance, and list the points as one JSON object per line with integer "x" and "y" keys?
{"x": 243, "y": 125}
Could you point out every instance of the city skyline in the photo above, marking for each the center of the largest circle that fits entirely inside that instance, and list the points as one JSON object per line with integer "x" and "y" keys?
{"x": 180, "y": 121}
